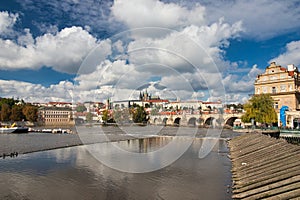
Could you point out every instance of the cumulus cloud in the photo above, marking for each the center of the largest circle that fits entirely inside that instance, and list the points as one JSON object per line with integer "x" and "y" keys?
{"x": 243, "y": 85}
{"x": 174, "y": 50}
{"x": 290, "y": 56}
{"x": 192, "y": 47}
{"x": 7, "y": 21}
{"x": 63, "y": 51}
{"x": 38, "y": 93}
{"x": 154, "y": 13}
{"x": 261, "y": 18}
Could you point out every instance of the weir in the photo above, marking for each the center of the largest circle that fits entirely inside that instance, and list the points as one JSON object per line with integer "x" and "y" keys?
{"x": 264, "y": 167}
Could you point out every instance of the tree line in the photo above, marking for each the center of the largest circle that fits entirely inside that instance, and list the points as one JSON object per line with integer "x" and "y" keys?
{"x": 136, "y": 113}
{"x": 17, "y": 110}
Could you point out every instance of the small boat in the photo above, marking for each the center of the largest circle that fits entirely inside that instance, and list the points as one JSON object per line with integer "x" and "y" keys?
{"x": 14, "y": 130}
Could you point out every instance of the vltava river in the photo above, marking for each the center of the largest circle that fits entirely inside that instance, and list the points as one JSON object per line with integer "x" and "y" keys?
{"x": 75, "y": 173}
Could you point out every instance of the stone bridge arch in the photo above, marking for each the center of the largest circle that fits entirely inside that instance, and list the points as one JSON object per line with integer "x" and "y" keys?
{"x": 230, "y": 121}
{"x": 209, "y": 121}
{"x": 192, "y": 121}
{"x": 157, "y": 121}
{"x": 177, "y": 121}
{"x": 164, "y": 121}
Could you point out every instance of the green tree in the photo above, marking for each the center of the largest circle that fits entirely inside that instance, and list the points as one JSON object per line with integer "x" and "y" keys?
{"x": 105, "y": 116}
{"x": 89, "y": 117}
{"x": 260, "y": 107}
{"x": 5, "y": 112}
{"x": 81, "y": 108}
{"x": 16, "y": 113}
{"x": 9, "y": 101}
{"x": 139, "y": 115}
{"x": 30, "y": 112}
{"x": 154, "y": 111}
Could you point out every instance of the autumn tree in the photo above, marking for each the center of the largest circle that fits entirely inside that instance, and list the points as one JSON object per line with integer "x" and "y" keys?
{"x": 260, "y": 108}
{"x": 5, "y": 112}
{"x": 16, "y": 113}
{"x": 30, "y": 113}
{"x": 105, "y": 116}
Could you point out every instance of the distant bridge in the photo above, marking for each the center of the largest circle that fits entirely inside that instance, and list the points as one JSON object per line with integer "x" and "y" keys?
{"x": 195, "y": 119}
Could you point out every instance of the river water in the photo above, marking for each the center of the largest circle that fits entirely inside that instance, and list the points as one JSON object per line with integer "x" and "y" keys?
{"x": 76, "y": 173}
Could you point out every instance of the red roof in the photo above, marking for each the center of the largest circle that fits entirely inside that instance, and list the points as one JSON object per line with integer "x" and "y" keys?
{"x": 168, "y": 113}
{"x": 211, "y": 102}
{"x": 157, "y": 100}
{"x": 282, "y": 69}
{"x": 53, "y": 102}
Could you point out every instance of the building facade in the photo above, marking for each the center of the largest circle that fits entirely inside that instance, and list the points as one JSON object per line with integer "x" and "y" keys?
{"x": 283, "y": 84}
{"x": 53, "y": 116}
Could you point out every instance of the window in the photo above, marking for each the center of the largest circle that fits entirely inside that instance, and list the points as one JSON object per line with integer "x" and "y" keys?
{"x": 273, "y": 90}
{"x": 257, "y": 90}
{"x": 283, "y": 88}
{"x": 276, "y": 105}
{"x": 264, "y": 89}
{"x": 265, "y": 78}
{"x": 291, "y": 87}
{"x": 282, "y": 76}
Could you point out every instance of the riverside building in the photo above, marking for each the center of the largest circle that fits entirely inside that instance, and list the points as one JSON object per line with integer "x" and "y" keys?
{"x": 283, "y": 84}
{"x": 55, "y": 116}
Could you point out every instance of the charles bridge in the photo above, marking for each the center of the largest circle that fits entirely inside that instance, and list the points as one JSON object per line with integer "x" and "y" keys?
{"x": 213, "y": 119}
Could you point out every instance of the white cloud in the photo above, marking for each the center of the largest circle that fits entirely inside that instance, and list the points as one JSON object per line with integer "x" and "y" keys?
{"x": 63, "y": 51}
{"x": 290, "y": 56}
{"x": 243, "y": 85}
{"x": 191, "y": 48}
{"x": 36, "y": 92}
{"x": 261, "y": 18}
{"x": 26, "y": 38}
{"x": 235, "y": 84}
{"x": 185, "y": 55}
{"x": 154, "y": 13}
{"x": 7, "y": 21}
{"x": 254, "y": 72}
{"x": 236, "y": 98}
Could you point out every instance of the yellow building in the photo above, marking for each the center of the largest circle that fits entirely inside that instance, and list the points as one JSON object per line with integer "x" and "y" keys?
{"x": 283, "y": 84}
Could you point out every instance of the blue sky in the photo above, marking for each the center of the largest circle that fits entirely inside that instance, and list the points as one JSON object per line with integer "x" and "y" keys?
{"x": 82, "y": 50}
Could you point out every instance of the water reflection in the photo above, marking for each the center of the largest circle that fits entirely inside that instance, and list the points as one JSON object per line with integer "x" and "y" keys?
{"x": 72, "y": 173}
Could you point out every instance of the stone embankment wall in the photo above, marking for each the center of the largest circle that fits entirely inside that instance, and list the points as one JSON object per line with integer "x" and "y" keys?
{"x": 264, "y": 167}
